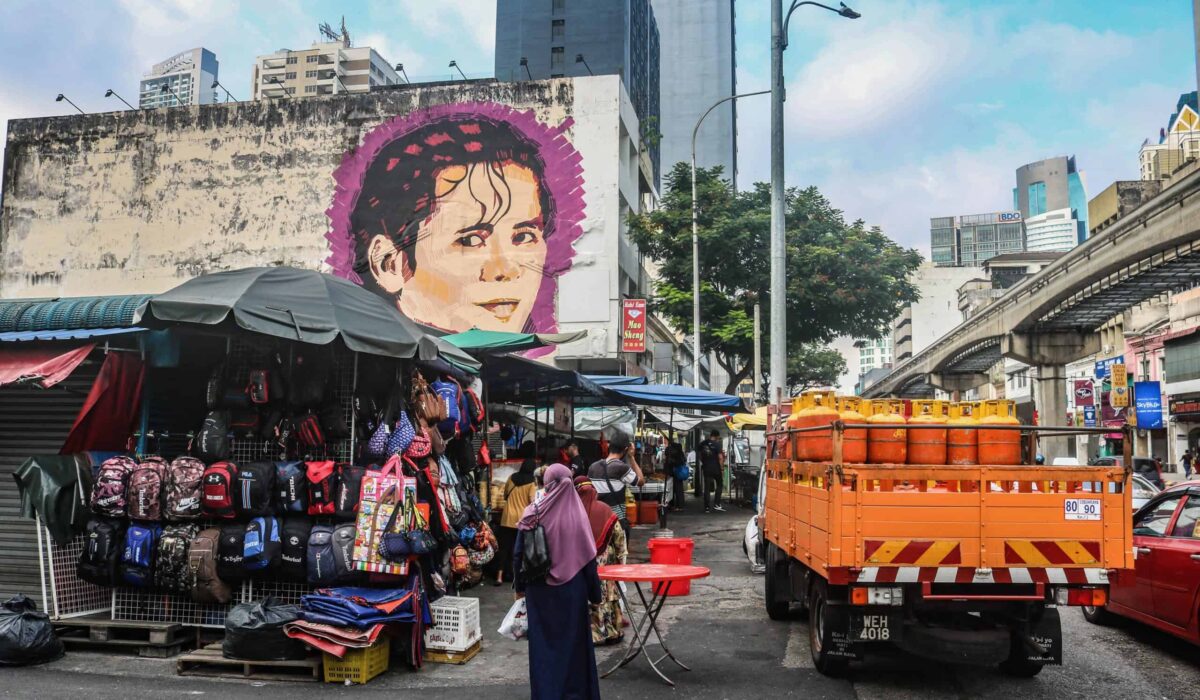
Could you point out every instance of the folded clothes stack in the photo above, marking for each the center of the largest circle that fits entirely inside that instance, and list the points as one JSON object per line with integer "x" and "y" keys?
{"x": 332, "y": 639}
{"x": 337, "y": 619}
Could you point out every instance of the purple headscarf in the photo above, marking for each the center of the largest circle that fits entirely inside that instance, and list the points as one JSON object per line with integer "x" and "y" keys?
{"x": 568, "y": 531}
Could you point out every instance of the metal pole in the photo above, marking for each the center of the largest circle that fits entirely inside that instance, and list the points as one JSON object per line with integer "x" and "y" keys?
{"x": 778, "y": 352}
{"x": 757, "y": 383}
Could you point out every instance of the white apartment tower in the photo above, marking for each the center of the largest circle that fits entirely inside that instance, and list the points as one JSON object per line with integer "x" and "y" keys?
{"x": 329, "y": 67}
{"x": 184, "y": 79}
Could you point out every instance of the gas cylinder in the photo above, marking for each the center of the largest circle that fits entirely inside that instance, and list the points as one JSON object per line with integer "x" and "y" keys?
{"x": 999, "y": 446}
{"x": 854, "y": 440}
{"x": 816, "y": 445}
{"x": 794, "y": 446}
{"x": 927, "y": 446}
{"x": 962, "y": 439}
{"x": 887, "y": 445}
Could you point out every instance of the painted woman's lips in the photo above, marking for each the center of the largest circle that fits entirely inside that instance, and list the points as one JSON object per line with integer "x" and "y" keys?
{"x": 502, "y": 308}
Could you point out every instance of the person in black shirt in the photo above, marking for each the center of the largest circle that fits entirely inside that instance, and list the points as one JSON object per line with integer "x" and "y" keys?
{"x": 711, "y": 456}
{"x": 610, "y": 476}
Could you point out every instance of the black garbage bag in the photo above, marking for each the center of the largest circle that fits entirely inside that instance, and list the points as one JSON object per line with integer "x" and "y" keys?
{"x": 254, "y": 631}
{"x": 26, "y": 635}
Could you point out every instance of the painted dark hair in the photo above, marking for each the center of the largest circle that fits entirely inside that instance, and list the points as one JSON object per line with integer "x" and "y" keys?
{"x": 399, "y": 187}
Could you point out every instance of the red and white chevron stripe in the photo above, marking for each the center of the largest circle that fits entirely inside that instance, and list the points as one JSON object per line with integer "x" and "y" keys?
{"x": 966, "y": 574}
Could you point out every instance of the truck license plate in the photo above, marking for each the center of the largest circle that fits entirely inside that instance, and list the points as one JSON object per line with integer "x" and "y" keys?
{"x": 1081, "y": 509}
{"x": 874, "y": 628}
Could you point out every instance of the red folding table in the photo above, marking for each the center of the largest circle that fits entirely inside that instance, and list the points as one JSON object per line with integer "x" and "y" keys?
{"x": 660, "y": 577}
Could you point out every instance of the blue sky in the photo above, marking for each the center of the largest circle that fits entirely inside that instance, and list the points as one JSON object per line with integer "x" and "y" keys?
{"x": 917, "y": 109}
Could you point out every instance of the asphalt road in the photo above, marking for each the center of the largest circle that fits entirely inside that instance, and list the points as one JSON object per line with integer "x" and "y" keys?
{"x": 720, "y": 630}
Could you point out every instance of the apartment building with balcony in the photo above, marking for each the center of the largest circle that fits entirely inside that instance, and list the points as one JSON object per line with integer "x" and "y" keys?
{"x": 184, "y": 79}
{"x": 326, "y": 68}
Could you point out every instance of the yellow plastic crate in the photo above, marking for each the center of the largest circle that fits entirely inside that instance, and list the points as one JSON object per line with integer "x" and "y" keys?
{"x": 359, "y": 665}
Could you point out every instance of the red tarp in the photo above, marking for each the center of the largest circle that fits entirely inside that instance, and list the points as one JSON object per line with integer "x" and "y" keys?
{"x": 51, "y": 364}
{"x": 106, "y": 420}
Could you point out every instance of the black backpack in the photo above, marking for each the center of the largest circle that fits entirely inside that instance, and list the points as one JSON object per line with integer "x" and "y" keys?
{"x": 171, "y": 570}
{"x": 255, "y": 489}
{"x": 231, "y": 553}
{"x": 212, "y": 442}
{"x": 291, "y": 484}
{"x": 343, "y": 553}
{"x": 320, "y": 565}
{"x": 293, "y": 543}
{"x": 104, "y": 541}
{"x": 349, "y": 486}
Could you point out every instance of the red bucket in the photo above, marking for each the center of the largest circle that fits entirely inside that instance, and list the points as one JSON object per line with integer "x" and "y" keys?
{"x": 672, "y": 550}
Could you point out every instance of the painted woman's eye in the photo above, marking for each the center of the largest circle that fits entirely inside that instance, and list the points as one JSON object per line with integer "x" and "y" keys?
{"x": 471, "y": 240}
{"x": 524, "y": 237}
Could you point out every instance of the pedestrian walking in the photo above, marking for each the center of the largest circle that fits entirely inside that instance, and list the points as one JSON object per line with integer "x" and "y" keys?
{"x": 519, "y": 490}
{"x": 562, "y": 656}
{"x": 677, "y": 467}
{"x": 611, "y": 548}
{"x": 612, "y": 474}
{"x": 573, "y": 460}
{"x": 712, "y": 463}
{"x": 1187, "y": 464}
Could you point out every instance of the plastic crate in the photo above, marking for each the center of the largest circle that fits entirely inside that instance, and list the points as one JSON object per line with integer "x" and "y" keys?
{"x": 358, "y": 665}
{"x": 455, "y": 624}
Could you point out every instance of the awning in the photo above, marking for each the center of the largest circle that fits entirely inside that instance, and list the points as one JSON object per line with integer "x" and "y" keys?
{"x": 590, "y": 421}
{"x": 684, "y": 422}
{"x": 70, "y": 313}
{"x": 615, "y": 380}
{"x": 65, "y": 334}
{"x": 43, "y": 366}
{"x": 500, "y": 341}
{"x": 749, "y": 421}
{"x": 512, "y": 379}
{"x": 674, "y": 395}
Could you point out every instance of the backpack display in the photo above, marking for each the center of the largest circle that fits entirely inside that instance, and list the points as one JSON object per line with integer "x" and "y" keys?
{"x": 309, "y": 431}
{"x": 212, "y": 442}
{"x": 291, "y": 485}
{"x": 214, "y": 390}
{"x": 207, "y": 586}
{"x": 343, "y": 551}
{"x": 450, "y": 394}
{"x": 258, "y": 389}
{"x": 476, "y": 414}
{"x": 322, "y": 487}
{"x": 348, "y": 488}
{"x": 172, "y": 571}
{"x": 320, "y": 567}
{"x": 334, "y": 422}
{"x": 261, "y": 545}
{"x": 137, "y": 559}
{"x": 182, "y": 489}
{"x": 108, "y": 491}
{"x": 255, "y": 489}
{"x": 231, "y": 553}
{"x": 144, "y": 492}
{"x": 218, "y": 490}
{"x": 310, "y": 378}
{"x": 103, "y": 544}
{"x": 293, "y": 547}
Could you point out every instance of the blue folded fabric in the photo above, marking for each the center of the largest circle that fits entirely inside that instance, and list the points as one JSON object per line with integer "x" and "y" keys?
{"x": 362, "y": 607}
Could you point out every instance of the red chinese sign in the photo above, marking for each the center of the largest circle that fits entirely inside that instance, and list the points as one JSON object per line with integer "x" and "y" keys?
{"x": 633, "y": 325}
{"x": 1084, "y": 393}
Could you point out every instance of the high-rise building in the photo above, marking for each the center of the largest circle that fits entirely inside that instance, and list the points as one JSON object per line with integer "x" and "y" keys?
{"x": 571, "y": 38}
{"x": 328, "y": 67}
{"x": 873, "y": 353}
{"x": 1056, "y": 230}
{"x": 698, "y": 68}
{"x": 968, "y": 241}
{"x": 1178, "y": 143}
{"x": 1048, "y": 186}
{"x": 184, "y": 79}
{"x": 934, "y": 314}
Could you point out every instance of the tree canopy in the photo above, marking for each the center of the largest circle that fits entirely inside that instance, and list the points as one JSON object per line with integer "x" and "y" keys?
{"x": 842, "y": 279}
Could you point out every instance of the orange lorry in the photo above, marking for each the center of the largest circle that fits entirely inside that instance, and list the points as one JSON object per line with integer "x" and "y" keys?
{"x": 960, "y": 563}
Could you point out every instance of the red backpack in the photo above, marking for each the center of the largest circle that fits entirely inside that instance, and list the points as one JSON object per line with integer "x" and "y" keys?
{"x": 322, "y": 487}
{"x": 144, "y": 493}
{"x": 219, "y": 489}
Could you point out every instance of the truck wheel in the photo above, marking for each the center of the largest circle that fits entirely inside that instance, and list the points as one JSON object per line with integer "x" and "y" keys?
{"x": 1016, "y": 665}
{"x": 817, "y": 620}
{"x": 1098, "y": 616}
{"x": 776, "y": 584}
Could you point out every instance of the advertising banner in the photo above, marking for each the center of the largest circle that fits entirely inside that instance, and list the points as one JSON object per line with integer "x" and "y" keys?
{"x": 633, "y": 325}
{"x": 1103, "y": 365}
{"x": 1084, "y": 393}
{"x": 1120, "y": 387}
{"x": 1147, "y": 398}
{"x": 1089, "y": 416}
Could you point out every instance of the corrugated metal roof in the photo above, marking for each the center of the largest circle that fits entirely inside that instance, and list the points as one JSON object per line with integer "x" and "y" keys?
{"x": 70, "y": 313}
{"x": 67, "y": 334}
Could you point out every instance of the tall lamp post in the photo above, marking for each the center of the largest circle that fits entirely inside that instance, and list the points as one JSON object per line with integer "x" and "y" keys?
{"x": 779, "y": 27}
{"x": 696, "y": 238}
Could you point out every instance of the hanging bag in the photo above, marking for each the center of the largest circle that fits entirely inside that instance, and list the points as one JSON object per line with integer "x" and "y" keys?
{"x": 402, "y": 435}
{"x": 412, "y": 538}
{"x": 380, "y": 498}
{"x": 535, "y": 557}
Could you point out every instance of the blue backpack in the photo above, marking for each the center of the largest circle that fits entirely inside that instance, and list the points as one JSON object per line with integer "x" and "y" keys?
{"x": 137, "y": 560}
{"x": 261, "y": 546}
{"x": 450, "y": 394}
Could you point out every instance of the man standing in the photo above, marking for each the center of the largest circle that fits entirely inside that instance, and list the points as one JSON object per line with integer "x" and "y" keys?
{"x": 1187, "y": 464}
{"x": 712, "y": 463}
{"x": 611, "y": 475}
{"x": 572, "y": 460}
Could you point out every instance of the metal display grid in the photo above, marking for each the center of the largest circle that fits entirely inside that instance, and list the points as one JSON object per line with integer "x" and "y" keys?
{"x": 64, "y": 594}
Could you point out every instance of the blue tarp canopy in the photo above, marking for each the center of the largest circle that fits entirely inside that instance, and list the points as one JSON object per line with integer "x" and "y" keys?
{"x": 675, "y": 396}
{"x": 513, "y": 379}
{"x": 614, "y": 380}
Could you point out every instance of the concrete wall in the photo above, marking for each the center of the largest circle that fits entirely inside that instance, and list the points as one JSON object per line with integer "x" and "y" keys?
{"x": 130, "y": 202}
{"x": 1117, "y": 200}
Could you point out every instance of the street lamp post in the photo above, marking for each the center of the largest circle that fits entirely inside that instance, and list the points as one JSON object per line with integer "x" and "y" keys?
{"x": 696, "y": 238}
{"x": 113, "y": 93}
{"x": 779, "y": 25}
{"x": 63, "y": 98}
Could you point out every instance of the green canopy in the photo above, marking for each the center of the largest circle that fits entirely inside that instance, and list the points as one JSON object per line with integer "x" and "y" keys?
{"x": 502, "y": 341}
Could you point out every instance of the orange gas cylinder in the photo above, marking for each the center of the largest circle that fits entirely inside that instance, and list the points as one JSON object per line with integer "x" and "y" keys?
{"x": 794, "y": 421}
{"x": 854, "y": 440}
{"x": 999, "y": 446}
{"x": 887, "y": 445}
{"x": 816, "y": 445}
{"x": 962, "y": 439}
{"x": 927, "y": 446}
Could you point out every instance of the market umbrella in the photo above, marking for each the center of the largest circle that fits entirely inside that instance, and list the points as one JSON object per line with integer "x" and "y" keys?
{"x": 302, "y": 305}
{"x": 503, "y": 341}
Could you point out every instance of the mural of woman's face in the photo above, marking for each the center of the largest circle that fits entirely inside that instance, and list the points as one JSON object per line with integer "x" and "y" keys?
{"x": 479, "y": 255}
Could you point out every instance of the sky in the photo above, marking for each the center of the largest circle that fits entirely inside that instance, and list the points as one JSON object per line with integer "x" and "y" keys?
{"x": 916, "y": 110}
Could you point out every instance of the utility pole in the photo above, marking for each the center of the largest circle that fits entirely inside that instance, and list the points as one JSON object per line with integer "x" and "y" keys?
{"x": 778, "y": 352}
{"x": 757, "y": 383}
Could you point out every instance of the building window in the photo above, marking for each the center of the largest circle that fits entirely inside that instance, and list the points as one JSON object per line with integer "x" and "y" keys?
{"x": 558, "y": 30}
{"x": 313, "y": 58}
{"x": 289, "y": 76}
{"x": 310, "y": 89}
{"x": 557, "y": 57}
{"x": 292, "y": 59}
{"x": 558, "y": 6}
{"x": 1037, "y": 198}
{"x": 310, "y": 74}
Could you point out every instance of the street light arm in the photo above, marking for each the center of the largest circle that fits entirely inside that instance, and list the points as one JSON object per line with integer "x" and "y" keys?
{"x": 843, "y": 11}
{"x": 718, "y": 103}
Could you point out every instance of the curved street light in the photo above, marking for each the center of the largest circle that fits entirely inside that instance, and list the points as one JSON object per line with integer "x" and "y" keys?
{"x": 112, "y": 93}
{"x": 63, "y": 98}
{"x": 454, "y": 65}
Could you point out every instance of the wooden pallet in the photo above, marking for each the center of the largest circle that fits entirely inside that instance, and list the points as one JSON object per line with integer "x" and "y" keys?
{"x": 439, "y": 656}
{"x": 209, "y": 662}
{"x": 151, "y": 639}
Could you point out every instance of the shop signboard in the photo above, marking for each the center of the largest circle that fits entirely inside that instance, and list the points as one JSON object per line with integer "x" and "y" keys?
{"x": 633, "y": 325}
{"x": 1182, "y": 406}
{"x": 1084, "y": 393}
{"x": 1147, "y": 397}
{"x": 1111, "y": 416}
{"x": 1103, "y": 365}
{"x": 1119, "y": 395}
{"x": 1089, "y": 416}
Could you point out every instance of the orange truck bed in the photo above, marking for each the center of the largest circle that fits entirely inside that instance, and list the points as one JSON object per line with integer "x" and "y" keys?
{"x": 950, "y": 524}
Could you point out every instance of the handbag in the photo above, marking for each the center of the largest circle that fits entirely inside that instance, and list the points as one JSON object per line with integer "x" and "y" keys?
{"x": 378, "y": 442}
{"x": 402, "y": 435}
{"x": 413, "y": 537}
{"x": 426, "y": 405}
{"x": 420, "y": 445}
{"x": 535, "y": 556}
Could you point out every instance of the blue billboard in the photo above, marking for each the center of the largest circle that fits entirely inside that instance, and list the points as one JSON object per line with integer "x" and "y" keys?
{"x": 1103, "y": 365}
{"x": 1147, "y": 398}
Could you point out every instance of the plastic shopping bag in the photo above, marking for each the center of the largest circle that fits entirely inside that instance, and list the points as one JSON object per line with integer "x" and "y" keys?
{"x": 515, "y": 623}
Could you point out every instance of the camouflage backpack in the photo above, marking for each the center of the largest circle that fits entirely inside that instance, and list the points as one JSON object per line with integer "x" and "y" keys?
{"x": 144, "y": 492}
{"x": 181, "y": 491}
{"x": 112, "y": 481}
{"x": 171, "y": 571}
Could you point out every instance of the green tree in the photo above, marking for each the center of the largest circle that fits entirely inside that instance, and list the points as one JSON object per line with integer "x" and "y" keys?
{"x": 842, "y": 279}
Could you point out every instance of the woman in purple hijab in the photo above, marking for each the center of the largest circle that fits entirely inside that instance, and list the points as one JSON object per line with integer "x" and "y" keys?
{"x": 562, "y": 660}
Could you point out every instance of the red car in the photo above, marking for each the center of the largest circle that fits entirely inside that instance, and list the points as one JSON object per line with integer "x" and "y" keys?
{"x": 1165, "y": 592}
